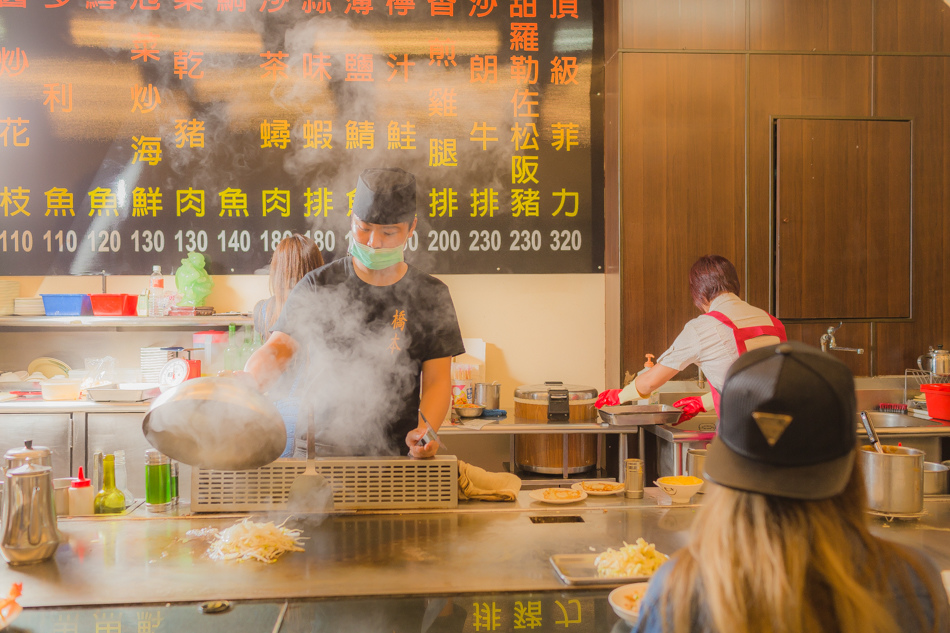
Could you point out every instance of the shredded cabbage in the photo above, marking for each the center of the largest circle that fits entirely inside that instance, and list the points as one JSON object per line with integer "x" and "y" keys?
{"x": 640, "y": 559}
{"x": 248, "y": 540}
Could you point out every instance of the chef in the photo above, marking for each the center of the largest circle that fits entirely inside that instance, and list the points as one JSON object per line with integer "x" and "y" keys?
{"x": 377, "y": 335}
{"x": 728, "y": 328}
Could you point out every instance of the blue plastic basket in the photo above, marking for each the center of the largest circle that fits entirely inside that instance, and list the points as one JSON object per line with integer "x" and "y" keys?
{"x": 67, "y": 305}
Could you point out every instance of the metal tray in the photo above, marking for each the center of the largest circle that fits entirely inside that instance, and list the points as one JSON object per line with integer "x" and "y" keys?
{"x": 132, "y": 392}
{"x": 579, "y": 569}
{"x": 640, "y": 414}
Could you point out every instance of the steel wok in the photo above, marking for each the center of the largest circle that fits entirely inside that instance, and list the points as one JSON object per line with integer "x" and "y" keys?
{"x": 217, "y": 423}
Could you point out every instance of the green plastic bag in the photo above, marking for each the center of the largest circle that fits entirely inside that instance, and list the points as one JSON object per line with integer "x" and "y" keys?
{"x": 193, "y": 281}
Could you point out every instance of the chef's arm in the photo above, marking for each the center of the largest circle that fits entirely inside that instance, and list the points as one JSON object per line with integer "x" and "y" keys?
{"x": 646, "y": 383}
{"x": 270, "y": 360}
{"x": 434, "y": 400}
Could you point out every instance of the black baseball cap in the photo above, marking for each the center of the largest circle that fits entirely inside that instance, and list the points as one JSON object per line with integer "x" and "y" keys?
{"x": 385, "y": 196}
{"x": 787, "y": 424}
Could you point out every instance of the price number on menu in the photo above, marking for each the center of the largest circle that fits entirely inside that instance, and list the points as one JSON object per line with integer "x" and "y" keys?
{"x": 491, "y": 241}
{"x": 148, "y": 241}
{"x": 104, "y": 241}
{"x": 16, "y": 242}
{"x": 325, "y": 240}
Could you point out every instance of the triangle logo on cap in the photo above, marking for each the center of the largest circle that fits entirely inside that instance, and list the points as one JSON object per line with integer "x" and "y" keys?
{"x": 772, "y": 425}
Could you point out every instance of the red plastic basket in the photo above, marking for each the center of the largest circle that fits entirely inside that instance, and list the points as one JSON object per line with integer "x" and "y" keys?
{"x": 114, "y": 304}
{"x": 938, "y": 400}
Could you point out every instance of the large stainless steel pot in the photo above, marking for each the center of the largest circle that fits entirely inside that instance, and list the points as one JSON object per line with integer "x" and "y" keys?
{"x": 696, "y": 465}
{"x": 894, "y": 479}
{"x": 218, "y": 423}
{"x": 935, "y": 478}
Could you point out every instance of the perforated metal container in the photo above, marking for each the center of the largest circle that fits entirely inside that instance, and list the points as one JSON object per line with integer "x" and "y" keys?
{"x": 358, "y": 483}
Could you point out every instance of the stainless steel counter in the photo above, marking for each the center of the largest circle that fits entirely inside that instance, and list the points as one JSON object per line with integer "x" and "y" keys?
{"x": 487, "y": 548}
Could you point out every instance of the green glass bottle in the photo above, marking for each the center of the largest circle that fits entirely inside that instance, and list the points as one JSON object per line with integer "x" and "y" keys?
{"x": 110, "y": 499}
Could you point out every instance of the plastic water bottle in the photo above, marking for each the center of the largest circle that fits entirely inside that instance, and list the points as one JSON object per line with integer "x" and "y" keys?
{"x": 156, "y": 293}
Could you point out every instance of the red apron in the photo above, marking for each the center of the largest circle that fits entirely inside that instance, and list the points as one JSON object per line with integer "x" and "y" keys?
{"x": 744, "y": 334}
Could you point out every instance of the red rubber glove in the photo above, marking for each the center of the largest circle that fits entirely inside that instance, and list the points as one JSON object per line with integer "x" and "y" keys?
{"x": 608, "y": 398}
{"x": 690, "y": 406}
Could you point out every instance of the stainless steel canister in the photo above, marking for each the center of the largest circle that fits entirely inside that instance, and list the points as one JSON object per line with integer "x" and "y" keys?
{"x": 894, "y": 479}
{"x": 696, "y": 465}
{"x": 935, "y": 478}
{"x": 633, "y": 479}
{"x": 16, "y": 457}
{"x": 488, "y": 394}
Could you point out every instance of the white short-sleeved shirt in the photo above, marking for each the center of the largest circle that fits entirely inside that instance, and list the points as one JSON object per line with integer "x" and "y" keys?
{"x": 707, "y": 342}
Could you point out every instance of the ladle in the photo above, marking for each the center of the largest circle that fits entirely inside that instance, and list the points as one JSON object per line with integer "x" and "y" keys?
{"x": 875, "y": 442}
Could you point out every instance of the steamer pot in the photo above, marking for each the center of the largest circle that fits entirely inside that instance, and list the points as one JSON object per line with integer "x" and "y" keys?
{"x": 894, "y": 479}
{"x": 555, "y": 403}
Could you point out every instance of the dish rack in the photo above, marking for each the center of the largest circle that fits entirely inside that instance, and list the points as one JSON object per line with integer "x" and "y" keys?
{"x": 359, "y": 483}
{"x": 914, "y": 378}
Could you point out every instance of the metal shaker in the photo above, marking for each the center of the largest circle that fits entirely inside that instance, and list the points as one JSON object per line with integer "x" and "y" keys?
{"x": 633, "y": 479}
{"x": 29, "y": 519}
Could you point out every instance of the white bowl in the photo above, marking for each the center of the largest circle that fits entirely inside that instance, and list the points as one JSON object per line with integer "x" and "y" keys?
{"x": 60, "y": 389}
{"x": 621, "y": 597}
{"x": 679, "y": 493}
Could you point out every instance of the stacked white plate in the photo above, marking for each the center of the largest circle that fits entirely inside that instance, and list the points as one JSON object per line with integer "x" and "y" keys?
{"x": 9, "y": 290}
{"x": 152, "y": 359}
{"x": 29, "y": 306}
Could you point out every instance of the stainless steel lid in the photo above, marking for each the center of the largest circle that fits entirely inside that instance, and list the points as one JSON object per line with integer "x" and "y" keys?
{"x": 540, "y": 392}
{"x": 29, "y": 469}
{"x": 28, "y": 452}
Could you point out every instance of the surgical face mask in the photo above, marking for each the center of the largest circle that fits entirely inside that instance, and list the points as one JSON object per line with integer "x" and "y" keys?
{"x": 376, "y": 258}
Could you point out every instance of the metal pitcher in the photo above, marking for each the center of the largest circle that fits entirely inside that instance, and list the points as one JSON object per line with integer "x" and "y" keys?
{"x": 16, "y": 457}
{"x": 936, "y": 361}
{"x": 29, "y": 518}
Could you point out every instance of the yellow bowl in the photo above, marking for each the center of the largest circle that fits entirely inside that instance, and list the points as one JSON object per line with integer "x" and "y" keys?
{"x": 680, "y": 489}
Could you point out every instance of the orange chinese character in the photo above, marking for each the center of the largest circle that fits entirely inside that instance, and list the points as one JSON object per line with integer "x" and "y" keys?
{"x": 483, "y": 129}
{"x": 395, "y": 64}
{"x": 146, "y": 5}
{"x": 401, "y": 136}
{"x": 18, "y": 127}
{"x": 144, "y": 47}
{"x": 145, "y": 98}
{"x": 276, "y": 5}
{"x": 274, "y": 65}
{"x": 442, "y": 7}
{"x": 442, "y": 53}
{"x": 524, "y": 105}
{"x": 191, "y": 133}
{"x": 102, "y": 200}
{"x": 484, "y": 202}
{"x": 524, "y": 170}
{"x": 524, "y": 36}
{"x": 188, "y": 4}
{"x": 442, "y": 102}
{"x": 565, "y": 136}
{"x": 523, "y": 9}
{"x": 275, "y": 133}
{"x": 231, "y": 6}
{"x": 524, "y": 69}
{"x": 12, "y": 4}
{"x": 318, "y": 134}
{"x": 186, "y": 64}
{"x": 564, "y": 70}
{"x": 59, "y": 199}
{"x": 148, "y": 149}
{"x": 524, "y": 137}
{"x": 526, "y": 201}
{"x": 56, "y": 5}
{"x": 564, "y": 7}
{"x": 484, "y": 7}
{"x": 363, "y": 7}
{"x": 145, "y": 203}
{"x": 442, "y": 153}
{"x": 19, "y": 198}
{"x": 399, "y": 320}
{"x": 394, "y": 344}
{"x": 359, "y": 67}
{"x": 58, "y": 94}
{"x": 315, "y": 66}
{"x": 483, "y": 69}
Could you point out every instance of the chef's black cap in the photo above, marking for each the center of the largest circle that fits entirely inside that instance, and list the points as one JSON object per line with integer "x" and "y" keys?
{"x": 385, "y": 196}
{"x": 787, "y": 424}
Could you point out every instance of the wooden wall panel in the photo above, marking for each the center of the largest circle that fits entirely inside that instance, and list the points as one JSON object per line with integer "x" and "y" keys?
{"x": 682, "y": 185}
{"x": 842, "y": 219}
{"x": 810, "y": 25}
{"x": 911, "y": 26}
{"x": 684, "y": 25}
{"x": 791, "y": 85}
{"x": 919, "y": 88}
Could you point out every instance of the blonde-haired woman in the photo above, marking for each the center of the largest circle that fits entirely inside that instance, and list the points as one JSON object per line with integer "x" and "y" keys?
{"x": 294, "y": 257}
{"x": 781, "y": 542}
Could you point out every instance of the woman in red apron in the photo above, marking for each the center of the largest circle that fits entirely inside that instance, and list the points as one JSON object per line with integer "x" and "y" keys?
{"x": 728, "y": 328}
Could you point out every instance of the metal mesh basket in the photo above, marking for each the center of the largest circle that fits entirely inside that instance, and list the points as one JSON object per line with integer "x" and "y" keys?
{"x": 913, "y": 379}
{"x": 358, "y": 483}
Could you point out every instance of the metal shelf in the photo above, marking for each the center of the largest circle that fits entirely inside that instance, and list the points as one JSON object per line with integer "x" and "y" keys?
{"x": 122, "y": 322}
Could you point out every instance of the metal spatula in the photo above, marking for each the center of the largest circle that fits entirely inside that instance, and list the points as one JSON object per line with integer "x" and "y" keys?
{"x": 310, "y": 493}
{"x": 875, "y": 442}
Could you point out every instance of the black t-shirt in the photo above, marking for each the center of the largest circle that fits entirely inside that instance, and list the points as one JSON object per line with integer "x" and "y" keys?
{"x": 363, "y": 347}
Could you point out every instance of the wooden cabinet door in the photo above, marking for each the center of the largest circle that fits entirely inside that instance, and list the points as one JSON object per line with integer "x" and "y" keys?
{"x": 842, "y": 218}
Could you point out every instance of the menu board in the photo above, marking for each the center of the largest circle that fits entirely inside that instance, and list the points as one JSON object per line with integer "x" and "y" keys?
{"x": 135, "y": 131}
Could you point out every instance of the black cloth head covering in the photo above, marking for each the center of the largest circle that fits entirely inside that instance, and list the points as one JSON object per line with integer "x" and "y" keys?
{"x": 787, "y": 424}
{"x": 385, "y": 196}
